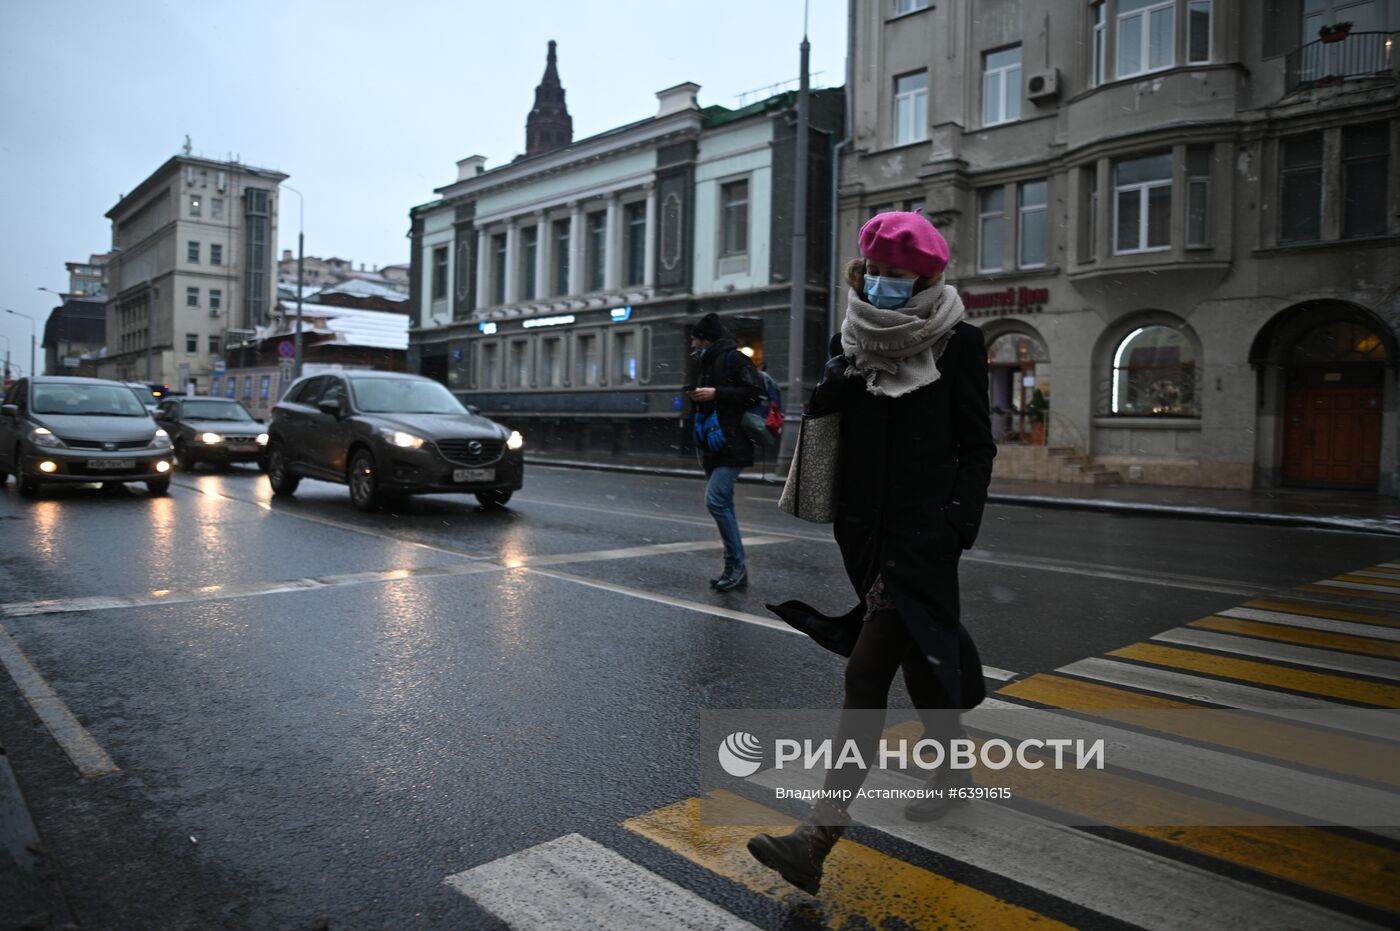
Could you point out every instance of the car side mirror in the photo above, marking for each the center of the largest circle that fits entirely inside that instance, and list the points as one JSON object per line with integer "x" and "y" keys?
{"x": 160, "y": 415}
{"x": 473, "y": 409}
{"x": 10, "y": 410}
{"x": 331, "y": 407}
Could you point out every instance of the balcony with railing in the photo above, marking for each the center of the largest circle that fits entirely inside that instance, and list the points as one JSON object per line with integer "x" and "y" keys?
{"x": 1352, "y": 56}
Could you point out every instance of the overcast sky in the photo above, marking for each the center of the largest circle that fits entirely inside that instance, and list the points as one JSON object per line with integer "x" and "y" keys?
{"x": 366, "y": 106}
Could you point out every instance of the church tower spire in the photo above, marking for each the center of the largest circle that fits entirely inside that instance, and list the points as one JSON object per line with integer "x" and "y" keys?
{"x": 549, "y": 125}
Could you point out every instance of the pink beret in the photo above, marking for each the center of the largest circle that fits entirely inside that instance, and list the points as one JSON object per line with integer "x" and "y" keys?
{"x": 904, "y": 239}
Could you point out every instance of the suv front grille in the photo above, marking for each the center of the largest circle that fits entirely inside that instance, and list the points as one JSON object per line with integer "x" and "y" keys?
{"x": 461, "y": 451}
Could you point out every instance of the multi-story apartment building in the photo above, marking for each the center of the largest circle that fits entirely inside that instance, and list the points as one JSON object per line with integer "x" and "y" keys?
{"x": 1178, "y": 220}
{"x": 556, "y": 291}
{"x": 192, "y": 258}
{"x": 88, "y": 277}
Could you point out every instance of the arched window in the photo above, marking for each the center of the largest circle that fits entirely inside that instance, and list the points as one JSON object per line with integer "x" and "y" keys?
{"x": 1155, "y": 374}
{"x": 1338, "y": 343}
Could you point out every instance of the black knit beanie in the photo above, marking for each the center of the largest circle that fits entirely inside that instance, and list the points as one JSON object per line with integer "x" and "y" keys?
{"x": 709, "y": 328}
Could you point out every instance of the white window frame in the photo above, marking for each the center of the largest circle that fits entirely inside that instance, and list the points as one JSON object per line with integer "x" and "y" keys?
{"x": 493, "y": 348}
{"x": 911, "y": 110}
{"x": 1145, "y": 43}
{"x": 191, "y": 297}
{"x": 216, "y": 253}
{"x": 191, "y": 339}
{"x": 1210, "y": 31}
{"x": 581, "y": 359}
{"x": 216, "y": 298}
{"x": 1023, "y": 212}
{"x": 1098, "y": 45}
{"x": 737, "y": 262}
{"x": 616, "y": 357}
{"x": 905, "y": 7}
{"x": 1143, "y": 189}
{"x": 560, "y": 377}
{"x": 983, "y": 217}
{"x": 1008, "y": 90}
{"x": 1194, "y": 182}
{"x": 522, "y": 346}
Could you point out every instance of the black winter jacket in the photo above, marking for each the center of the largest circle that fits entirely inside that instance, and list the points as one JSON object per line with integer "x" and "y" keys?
{"x": 737, "y": 388}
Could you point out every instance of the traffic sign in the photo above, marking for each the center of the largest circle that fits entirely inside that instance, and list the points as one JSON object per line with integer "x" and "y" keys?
{"x": 286, "y": 349}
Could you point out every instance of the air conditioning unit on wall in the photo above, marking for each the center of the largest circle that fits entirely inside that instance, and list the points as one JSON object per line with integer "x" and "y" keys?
{"x": 1043, "y": 85}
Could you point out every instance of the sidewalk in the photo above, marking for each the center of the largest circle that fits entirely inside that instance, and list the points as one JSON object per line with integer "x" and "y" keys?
{"x": 1330, "y": 510}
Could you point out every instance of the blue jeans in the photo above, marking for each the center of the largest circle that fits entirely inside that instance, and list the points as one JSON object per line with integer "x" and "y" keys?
{"x": 719, "y": 498}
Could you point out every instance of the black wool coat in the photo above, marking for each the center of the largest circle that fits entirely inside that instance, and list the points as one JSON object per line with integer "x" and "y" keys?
{"x": 913, "y": 479}
{"x": 737, "y": 388}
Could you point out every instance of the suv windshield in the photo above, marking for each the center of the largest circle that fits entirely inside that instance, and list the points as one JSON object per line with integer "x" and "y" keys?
{"x": 215, "y": 410}
{"x": 78, "y": 400}
{"x": 406, "y": 396}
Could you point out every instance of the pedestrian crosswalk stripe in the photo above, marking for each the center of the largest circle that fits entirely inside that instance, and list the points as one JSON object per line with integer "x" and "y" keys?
{"x": 1376, "y": 579}
{"x": 1315, "y": 638}
{"x": 1311, "y": 797}
{"x": 574, "y": 882}
{"x": 1353, "y": 590}
{"x": 1143, "y": 888}
{"x": 1313, "y": 609}
{"x": 1291, "y": 743}
{"x": 1351, "y": 628}
{"x": 1299, "y": 680}
{"x": 1283, "y": 652}
{"x": 860, "y": 887}
{"x": 1377, "y": 573}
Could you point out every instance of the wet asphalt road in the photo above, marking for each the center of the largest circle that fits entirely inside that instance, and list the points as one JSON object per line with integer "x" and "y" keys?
{"x": 331, "y": 754}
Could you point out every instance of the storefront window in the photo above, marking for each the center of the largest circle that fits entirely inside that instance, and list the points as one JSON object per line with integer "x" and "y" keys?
{"x": 1155, "y": 374}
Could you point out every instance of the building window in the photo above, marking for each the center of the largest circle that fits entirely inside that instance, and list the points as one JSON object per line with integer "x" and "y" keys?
{"x": 991, "y": 221}
{"x": 216, "y": 208}
{"x": 194, "y": 205}
{"x": 440, "y": 273}
{"x": 1300, "y": 188}
{"x": 1146, "y": 36}
{"x": 911, "y": 108}
{"x": 498, "y": 268}
{"x": 1154, "y": 374}
{"x": 1198, "y": 31}
{"x": 529, "y": 256}
{"x": 216, "y": 253}
{"x": 734, "y": 218}
{"x": 1365, "y": 172}
{"x": 1089, "y": 225}
{"x": 519, "y": 363}
{"x": 216, "y": 298}
{"x": 1143, "y": 200}
{"x": 1001, "y": 86}
{"x": 561, "y": 256}
{"x": 1098, "y": 49}
{"x": 625, "y": 358}
{"x": 636, "y": 244}
{"x": 192, "y": 344}
{"x": 597, "y": 226}
{"x": 1198, "y": 196}
{"x": 552, "y": 362}
{"x": 589, "y": 359}
{"x": 191, "y": 297}
{"x": 488, "y": 366}
{"x": 909, "y": 6}
{"x": 192, "y": 252}
{"x": 264, "y": 387}
{"x": 213, "y": 345}
{"x": 1030, "y": 226}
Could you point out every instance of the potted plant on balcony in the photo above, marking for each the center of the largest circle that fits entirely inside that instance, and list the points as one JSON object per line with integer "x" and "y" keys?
{"x": 1335, "y": 32}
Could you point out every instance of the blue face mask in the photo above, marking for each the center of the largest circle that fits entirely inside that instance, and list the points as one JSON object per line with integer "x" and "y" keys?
{"x": 888, "y": 293}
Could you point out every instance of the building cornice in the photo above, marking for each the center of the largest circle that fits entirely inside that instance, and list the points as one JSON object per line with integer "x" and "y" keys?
{"x": 171, "y": 167}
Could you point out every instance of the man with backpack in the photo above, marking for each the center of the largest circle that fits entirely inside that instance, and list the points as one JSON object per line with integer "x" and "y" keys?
{"x": 726, "y": 385}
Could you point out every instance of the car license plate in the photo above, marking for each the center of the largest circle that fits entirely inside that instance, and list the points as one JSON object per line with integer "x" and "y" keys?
{"x": 242, "y": 447}
{"x": 473, "y": 475}
{"x": 115, "y": 465}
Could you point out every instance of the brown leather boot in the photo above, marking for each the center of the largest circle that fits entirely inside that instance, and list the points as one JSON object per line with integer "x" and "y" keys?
{"x": 798, "y": 857}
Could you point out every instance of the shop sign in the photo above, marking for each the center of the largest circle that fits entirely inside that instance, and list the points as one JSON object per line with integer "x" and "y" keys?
{"x": 620, "y": 314}
{"x": 561, "y": 320}
{"x": 1004, "y": 303}
{"x": 487, "y": 329}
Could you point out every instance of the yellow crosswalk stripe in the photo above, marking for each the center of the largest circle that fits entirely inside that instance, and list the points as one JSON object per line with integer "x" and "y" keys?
{"x": 860, "y": 887}
{"x": 1367, "y": 580}
{"x": 1324, "y": 588}
{"x": 1384, "y": 570}
{"x": 1298, "y": 680}
{"x": 1316, "y": 638}
{"x": 1294, "y": 743}
{"x": 1311, "y": 609}
{"x": 1310, "y": 857}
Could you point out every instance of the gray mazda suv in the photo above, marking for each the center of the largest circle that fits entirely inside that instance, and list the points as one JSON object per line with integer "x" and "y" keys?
{"x": 386, "y": 434}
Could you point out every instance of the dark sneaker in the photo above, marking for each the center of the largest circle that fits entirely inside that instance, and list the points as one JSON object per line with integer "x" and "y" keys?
{"x": 736, "y": 577}
{"x": 728, "y": 568}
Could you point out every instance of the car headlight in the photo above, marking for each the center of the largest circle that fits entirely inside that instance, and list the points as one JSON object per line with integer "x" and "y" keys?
{"x": 262, "y": 439}
{"x": 401, "y": 439}
{"x": 160, "y": 441}
{"x": 210, "y": 438}
{"x": 515, "y": 440}
{"x": 43, "y": 436}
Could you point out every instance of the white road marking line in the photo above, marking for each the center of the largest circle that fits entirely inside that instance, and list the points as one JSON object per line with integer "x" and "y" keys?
{"x": 634, "y": 552}
{"x": 1314, "y": 798}
{"x": 1317, "y": 712}
{"x": 85, "y": 753}
{"x": 1372, "y": 574}
{"x": 1002, "y": 675}
{"x": 1351, "y": 628}
{"x": 1285, "y": 652}
{"x": 574, "y": 882}
{"x": 665, "y": 518}
{"x": 1389, "y": 565}
{"x": 1358, "y": 586}
{"x": 1143, "y": 889}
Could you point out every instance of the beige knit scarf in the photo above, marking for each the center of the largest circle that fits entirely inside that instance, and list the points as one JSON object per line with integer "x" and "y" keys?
{"x": 897, "y": 351}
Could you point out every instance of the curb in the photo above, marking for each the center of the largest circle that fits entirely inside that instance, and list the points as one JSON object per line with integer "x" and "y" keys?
{"x": 35, "y": 899}
{"x": 1378, "y": 526}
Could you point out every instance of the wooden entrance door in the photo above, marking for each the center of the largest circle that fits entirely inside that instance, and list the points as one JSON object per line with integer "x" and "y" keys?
{"x": 1332, "y": 435}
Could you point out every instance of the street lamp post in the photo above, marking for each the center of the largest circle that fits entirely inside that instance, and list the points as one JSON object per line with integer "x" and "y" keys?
{"x": 301, "y": 212}
{"x": 32, "y": 338}
{"x": 6, "y": 376}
